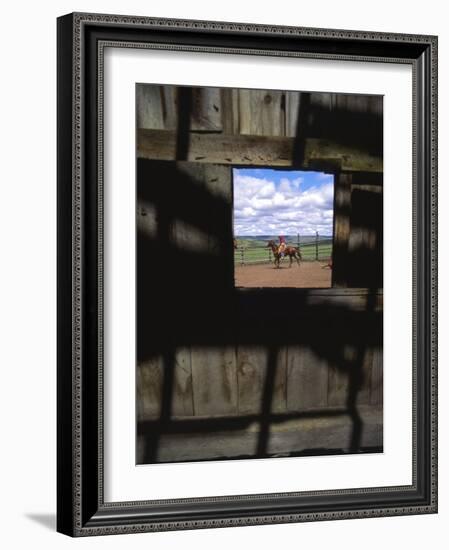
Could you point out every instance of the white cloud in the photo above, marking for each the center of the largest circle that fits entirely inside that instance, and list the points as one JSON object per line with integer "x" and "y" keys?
{"x": 261, "y": 207}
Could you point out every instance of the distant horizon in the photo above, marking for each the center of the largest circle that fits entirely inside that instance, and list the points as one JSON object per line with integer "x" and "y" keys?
{"x": 286, "y": 235}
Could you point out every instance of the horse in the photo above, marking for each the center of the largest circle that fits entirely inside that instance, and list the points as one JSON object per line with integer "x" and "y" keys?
{"x": 290, "y": 251}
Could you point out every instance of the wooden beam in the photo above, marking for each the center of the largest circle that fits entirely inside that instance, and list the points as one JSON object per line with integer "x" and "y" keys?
{"x": 255, "y": 150}
{"x": 342, "y": 229}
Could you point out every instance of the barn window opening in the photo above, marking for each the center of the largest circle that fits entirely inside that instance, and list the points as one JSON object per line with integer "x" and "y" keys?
{"x": 283, "y": 228}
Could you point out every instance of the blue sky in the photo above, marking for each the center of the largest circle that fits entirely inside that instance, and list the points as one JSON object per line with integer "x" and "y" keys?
{"x": 282, "y": 202}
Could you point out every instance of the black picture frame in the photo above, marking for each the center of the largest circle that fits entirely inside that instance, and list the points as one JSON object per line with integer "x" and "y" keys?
{"x": 81, "y": 510}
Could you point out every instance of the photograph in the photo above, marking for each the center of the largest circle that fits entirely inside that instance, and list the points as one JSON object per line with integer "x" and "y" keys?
{"x": 234, "y": 199}
{"x": 259, "y": 273}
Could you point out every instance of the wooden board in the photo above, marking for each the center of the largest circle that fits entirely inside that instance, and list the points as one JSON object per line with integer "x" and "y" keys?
{"x": 279, "y": 401}
{"x": 146, "y": 219}
{"x": 206, "y": 110}
{"x": 170, "y": 106}
{"x": 149, "y": 380}
{"x": 292, "y": 104}
{"x": 262, "y": 113}
{"x": 350, "y": 379}
{"x": 185, "y": 235}
{"x": 244, "y": 112}
{"x": 182, "y": 404}
{"x": 228, "y": 105}
{"x": 377, "y": 377}
{"x": 338, "y": 384}
{"x": 214, "y": 373}
{"x": 358, "y": 103}
{"x": 255, "y": 150}
{"x": 342, "y": 229}
{"x": 149, "y": 109}
{"x": 364, "y": 392}
{"x": 252, "y": 370}
{"x": 307, "y": 379}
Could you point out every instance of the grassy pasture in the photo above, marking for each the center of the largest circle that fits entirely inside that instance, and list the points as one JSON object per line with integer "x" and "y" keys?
{"x": 254, "y": 249}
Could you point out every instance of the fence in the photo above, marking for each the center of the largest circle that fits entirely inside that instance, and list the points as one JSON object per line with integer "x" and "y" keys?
{"x": 312, "y": 247}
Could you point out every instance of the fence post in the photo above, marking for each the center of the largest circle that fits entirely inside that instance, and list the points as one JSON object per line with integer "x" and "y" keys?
{"x": 316, "y": 246}
{"x": 297, "y": 241}
{"x": 242, "y": 255}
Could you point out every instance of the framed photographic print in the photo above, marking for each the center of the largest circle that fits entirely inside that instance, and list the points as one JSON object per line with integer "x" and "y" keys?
{"x": 246, "y": 274}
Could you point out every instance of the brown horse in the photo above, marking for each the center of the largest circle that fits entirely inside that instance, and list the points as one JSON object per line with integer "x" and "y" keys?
{"x": 290, "y": 251}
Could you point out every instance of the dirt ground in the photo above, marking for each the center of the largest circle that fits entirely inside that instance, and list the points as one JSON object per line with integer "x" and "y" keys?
{"x": 308, "y": 275}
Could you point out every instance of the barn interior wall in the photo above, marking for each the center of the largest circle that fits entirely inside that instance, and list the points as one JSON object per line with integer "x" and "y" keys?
{"x": 240, "y": 361}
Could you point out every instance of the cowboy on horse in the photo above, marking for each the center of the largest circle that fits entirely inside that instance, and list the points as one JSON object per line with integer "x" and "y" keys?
{"x": 283, "y": 250}
{"x": 282, "y": 246}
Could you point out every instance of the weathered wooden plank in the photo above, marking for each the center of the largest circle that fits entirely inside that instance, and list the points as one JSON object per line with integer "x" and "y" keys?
{"x": 146, "y": 219}
{"x": 348, "y": 158}
{"x": 367, "y": 188}
{"x": 235, "y": 111}
{"x": 182, "y": 400}
{"x": 149, "y": 107}
{"x": 206, "y": 110}
{"x": 244, "y": 105}
{"x": 358, "y": 103}
{"x": 342, "y": 229}
{"x": 323, "y": 100}
{"x": 186, "y": 235}
{"x": 292, "y": 103}
{"x": 188, "y": 440}
{"x": 252, "y": 371}
{"x": 227, "y": 110}
{"x": 365, "y": 254}
{"x": 377, "y": 377}
{"x": 253, "y": 150}
{"x": 150, "y": 386}
{"x": 218, "y": 181}
{"x": 267, "y": 117}
{"x": 230, "y": 110}
{"x": 362, "y": 237}
{"x": 279, "y": 401}
{"x": 338, "y": 385}
{"x": 351, "y": 375}
{"x": 214, "y": 372}
{"x": 307, "y": 380}
{"x": 170, "y": 107}
{"x": 356, "y": 302}
{"x": 149, "y": 381}
{"x": 366, "y": 213}
{"x": 364, "y": 392}
{"x": 217, "y": 148}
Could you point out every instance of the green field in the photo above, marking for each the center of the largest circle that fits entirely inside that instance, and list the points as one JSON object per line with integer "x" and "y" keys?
{"x": 253, "y": 250}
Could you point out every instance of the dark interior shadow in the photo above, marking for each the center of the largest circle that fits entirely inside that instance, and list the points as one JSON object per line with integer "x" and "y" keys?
{"x": 46, "y": 520}
{"x": 267, "y": 398}
{"x": 187, "y": 298}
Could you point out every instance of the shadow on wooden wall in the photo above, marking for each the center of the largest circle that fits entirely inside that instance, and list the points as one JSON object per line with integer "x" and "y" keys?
{"x": 228, "y": 373}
